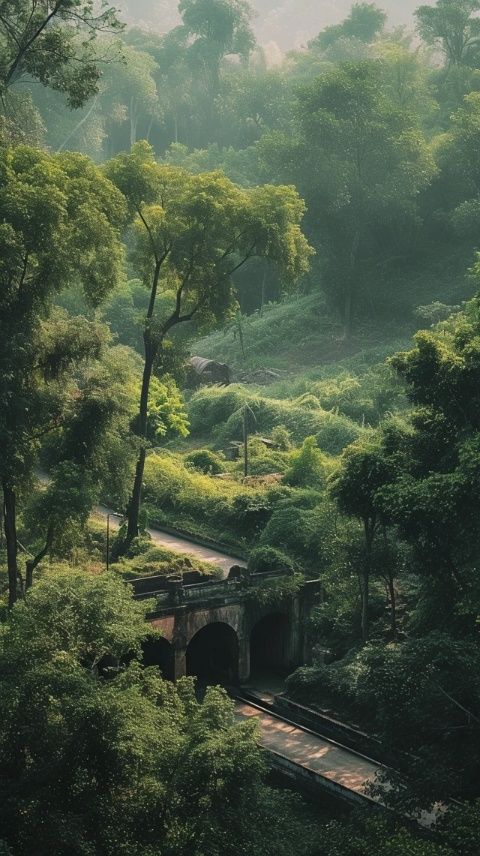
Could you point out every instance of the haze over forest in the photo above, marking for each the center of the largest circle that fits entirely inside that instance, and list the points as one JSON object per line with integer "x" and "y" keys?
{"x": 239, "y": 427}
{"x": 289, "y": 23}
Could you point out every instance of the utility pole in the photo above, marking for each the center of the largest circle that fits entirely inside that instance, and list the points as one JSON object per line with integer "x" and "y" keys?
{"x": 246, "y": 410}
{"x": 245, "y": 441}
{"x": 108, "y": 543}
{"x": 109, "y": 515}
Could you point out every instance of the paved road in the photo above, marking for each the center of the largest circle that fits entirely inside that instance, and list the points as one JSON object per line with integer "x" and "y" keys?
{"x": 327, "y": 759}
{"x": 182, "y": 545}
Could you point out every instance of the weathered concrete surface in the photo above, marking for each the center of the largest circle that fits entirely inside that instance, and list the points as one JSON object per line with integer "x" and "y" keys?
{"x": 328, "y": 760}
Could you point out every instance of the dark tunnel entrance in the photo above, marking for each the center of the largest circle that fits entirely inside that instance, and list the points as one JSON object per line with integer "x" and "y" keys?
{"x": 269, "y": 646}
{"x": 159, "y": 652}
{"x": 212, "y": 655}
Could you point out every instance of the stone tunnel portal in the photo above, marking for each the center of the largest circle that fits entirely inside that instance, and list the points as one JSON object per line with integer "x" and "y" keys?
{"x": 269, "y": 646}
{"x": 157, "y": 651}
{"x": 212, "y": 655}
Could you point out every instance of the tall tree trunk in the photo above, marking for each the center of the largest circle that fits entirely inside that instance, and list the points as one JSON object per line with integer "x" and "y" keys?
{"x": 133, "y": 121}
{"x": 393, "y": 605}
{"x": 10, "y": 529}
{"x": 149, "y": 131}
{"x": 151, "y": 351}
{"x": 365, "y": 586}
{"x": 245, "y": 442}
{"x": 33, "y": 563}
{"x": 264, "y": 288}
{"x": 348, "y": 302}
{"x": 133, "y": 512}
{"x": 347, "y": 310}
{"x": 369, "y": 526}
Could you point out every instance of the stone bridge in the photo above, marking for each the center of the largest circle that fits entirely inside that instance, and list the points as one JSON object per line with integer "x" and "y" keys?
{"x": 222, "y": 631}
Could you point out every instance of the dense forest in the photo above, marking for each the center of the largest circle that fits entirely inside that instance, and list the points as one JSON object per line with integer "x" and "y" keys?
{"x": 286, "y": 23}
{"x": 291, "y": 195}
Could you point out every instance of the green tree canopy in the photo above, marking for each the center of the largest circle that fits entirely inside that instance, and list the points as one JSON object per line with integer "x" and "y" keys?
{"x": 361, "y": 160}
{"x": 60, "y": 224}
{"x": 53, "y": 43}
{"x": 365, "y": 21}
{"x": 364, "y": 469}
{"x": 191, "y": 234}
{"x": 130, "y": 764}
{"x": 454, "y": 26}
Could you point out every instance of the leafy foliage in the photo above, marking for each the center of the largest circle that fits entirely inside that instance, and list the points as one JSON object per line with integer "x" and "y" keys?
{"x": 53, "y": 44}
{"x": 131, "y": 764}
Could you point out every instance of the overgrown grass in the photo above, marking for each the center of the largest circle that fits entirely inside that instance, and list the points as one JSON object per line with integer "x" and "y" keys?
{"x": 146, "y": 559}
{"x": 224, "y": 511}
{"x": 219, "y": 411}
{"x": 303, "y": 333}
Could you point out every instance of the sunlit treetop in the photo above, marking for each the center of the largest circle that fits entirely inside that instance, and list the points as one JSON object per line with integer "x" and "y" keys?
{"x": 452, "y": 25}
{"x": 365, "y": 21}
{"x": 199, "y": 229}
{"x": 225, "y": 23}
{"x": 53, "y": 42}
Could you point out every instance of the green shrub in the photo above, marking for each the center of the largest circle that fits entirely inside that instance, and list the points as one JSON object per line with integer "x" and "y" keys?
{"x": 205, "y": 461}
{"x": 263, "y": 461}
{"x": 286, "y": 530}
{"x": 146, "y": 559}
{"x": 220, "y": 412}
{"x": 336, "y": 433}
{"x": 327, "y": 685}
{"x": 273, "y": 591}
{"x": 307, "y": 468}
{"x": 310, "y": 402}
{"x": 252, "y": 511}
{"x": 282, "y": 438}
{"x": 212, "y": 406}
{"x": 265, "y": 559}
{"x": 219, "y": 509}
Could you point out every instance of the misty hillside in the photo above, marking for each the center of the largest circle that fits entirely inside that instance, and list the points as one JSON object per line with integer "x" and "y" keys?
{"x": 290, "y": 23}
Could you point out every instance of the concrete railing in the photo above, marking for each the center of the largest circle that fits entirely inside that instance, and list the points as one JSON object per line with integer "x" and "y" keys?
{"x": 176, "y": 590}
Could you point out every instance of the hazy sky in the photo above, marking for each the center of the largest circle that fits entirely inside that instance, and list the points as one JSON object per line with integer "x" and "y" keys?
{"x": 290, "y": 23}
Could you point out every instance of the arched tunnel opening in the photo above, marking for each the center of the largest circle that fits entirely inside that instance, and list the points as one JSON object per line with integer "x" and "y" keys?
{"x": 269, "y": 647}
{"x": 159, "y": 652}
{"x": 212, "y": 655}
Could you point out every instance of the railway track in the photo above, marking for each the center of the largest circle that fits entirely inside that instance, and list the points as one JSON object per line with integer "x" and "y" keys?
{"x": 308, "y": 758}
{"x": 320, "y": 765}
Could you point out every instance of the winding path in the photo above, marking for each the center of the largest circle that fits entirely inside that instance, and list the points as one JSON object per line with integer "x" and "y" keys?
{"x": 180, "y": 544}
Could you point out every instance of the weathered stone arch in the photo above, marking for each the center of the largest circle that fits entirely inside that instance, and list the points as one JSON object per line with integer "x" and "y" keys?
{"x": 212, "y": 654}
{"x": 198, "y": 620}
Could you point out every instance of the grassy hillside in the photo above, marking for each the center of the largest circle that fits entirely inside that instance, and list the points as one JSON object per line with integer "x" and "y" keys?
{"x": 299, "y": 379}
{"x": 304, "y": 336}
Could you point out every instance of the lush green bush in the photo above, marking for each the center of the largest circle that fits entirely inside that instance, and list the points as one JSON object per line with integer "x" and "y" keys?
{"x": 84, "y": 761}
{"x": 262, "y": 560}
{"x": 307, "y": 466}
{"x": 325, "y": 687}
{"x": 219, "y": 509}
{"x": 205, "y": 461}
{"x": 262, "y": 460}
{"x": 210, "y": 407}
{"x": 407, "y": 693}
{"x": 282, "y": 438}
{"x": 220, "y": 412}
{"x": 304, "y": 525}
{"x": 336, "y": 433}
{"x": 252, "y": 510}
{"x": 145, "y": 559}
